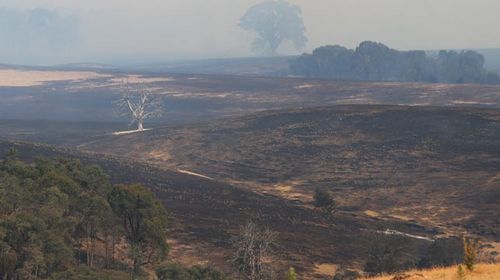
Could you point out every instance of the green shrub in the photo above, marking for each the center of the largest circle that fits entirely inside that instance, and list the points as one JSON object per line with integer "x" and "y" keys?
{"x": 178, "y": 272}
{"x": 291, "y": 274}
{"x": 470, "y": 253}
{"x": 86, "y": 273}
{"x": 324, "y": 200}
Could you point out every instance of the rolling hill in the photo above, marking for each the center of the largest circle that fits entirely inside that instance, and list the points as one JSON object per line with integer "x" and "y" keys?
{"x": 437, "y": 166}
{"x": 204, "y": 215}
{"x": 419, "y": 173}
{"x": 58, "y": 94}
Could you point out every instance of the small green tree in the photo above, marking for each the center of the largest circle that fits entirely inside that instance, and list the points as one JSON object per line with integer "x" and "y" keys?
{"x": 144, "y": 222}
{"x": 470, "y": 252}
{"x": 324, "y": 200}
{"x": 291, "y": 274}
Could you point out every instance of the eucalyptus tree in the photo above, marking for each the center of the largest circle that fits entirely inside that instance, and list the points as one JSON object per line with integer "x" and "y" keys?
{"x": 275, "y": 22}
{"x": 143, "y": 221}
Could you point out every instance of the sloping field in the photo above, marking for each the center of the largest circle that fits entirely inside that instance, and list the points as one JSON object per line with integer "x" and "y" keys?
{"x": 205, "y": 214}
{"x": 437, "y": 166}
{"x": 89, "y": 95}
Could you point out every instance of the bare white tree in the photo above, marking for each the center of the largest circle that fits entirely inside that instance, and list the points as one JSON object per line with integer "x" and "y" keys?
{"x": 254, "y": 252}
{"x": 140, "y": 103}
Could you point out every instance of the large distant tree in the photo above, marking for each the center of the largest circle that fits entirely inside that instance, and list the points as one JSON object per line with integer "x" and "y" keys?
{"x": 275, "y": 22}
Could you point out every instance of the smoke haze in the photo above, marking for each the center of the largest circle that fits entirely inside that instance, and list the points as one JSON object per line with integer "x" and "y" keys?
{"x": 110, "y": 31}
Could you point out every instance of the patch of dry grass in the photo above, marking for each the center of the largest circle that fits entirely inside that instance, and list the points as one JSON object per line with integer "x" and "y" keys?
{"x": 325, "y": 268}
{"x": 20, "y": 78}
{"x": 481, "y": 272}
{"x": 28, "y": 78}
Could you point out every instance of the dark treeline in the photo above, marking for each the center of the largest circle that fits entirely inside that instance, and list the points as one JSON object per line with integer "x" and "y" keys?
{"x": 372, "y": 61}
{"x": 59, "y": 216}
{"x": 60, "y": 219}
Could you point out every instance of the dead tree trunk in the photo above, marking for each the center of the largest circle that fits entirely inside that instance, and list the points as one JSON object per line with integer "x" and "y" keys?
{"x": 139, "y": 103}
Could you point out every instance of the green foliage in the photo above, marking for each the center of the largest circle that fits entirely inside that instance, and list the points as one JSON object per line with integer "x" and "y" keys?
{"x": 372, "y": 61}
{"x": 177, "y": 272}
{"x": 144, "y": 221}
{"x": 54, "y": 212}
{"x": 86, "y": 273}
{"x": 471, "y": 248}
{"x": 291, "y": 274}
{"x": 324, "y": 200}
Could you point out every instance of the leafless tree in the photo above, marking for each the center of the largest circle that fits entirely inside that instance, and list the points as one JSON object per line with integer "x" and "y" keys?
{"x": 140, "y": 103}
{"x": 254, "y": 252}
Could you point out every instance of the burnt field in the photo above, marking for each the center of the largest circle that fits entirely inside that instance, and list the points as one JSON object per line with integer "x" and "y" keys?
{"x": 420, "y": 159}
{"x": 205, "y": 214}
{"x": 89, "y": 96}
{"x": 437, "y": 166}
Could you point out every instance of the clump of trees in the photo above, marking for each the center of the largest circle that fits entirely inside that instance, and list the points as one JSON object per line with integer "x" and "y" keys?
{"x": 57, "y": 215}
{"x": 274, "y": 22}
{"x": 372, "y": 61}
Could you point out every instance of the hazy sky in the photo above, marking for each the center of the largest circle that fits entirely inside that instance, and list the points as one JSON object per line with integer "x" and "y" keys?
{"x": 171, "y": 29}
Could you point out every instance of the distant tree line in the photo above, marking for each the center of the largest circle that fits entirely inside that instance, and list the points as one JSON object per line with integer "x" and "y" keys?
{"x": 372, "y": 61}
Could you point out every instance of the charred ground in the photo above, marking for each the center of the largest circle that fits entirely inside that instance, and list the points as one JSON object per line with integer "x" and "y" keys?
{"x": 422, "y": 170}
{"x": 437, "y": 166}
{"x": 205, "y": 214}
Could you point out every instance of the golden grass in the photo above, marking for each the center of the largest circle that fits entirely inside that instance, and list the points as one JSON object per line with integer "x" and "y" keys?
{"x": 372, "y": 213}
{"x": 28, "y": 78}
{"x": 21, "y": 78}
{"x": 325, "y": 268}
{"x": 481, "y": 272}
